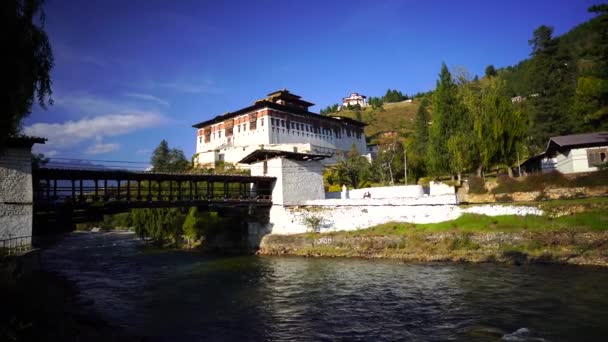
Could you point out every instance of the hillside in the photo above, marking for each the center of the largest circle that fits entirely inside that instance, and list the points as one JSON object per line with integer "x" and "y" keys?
{"x": 392, "y": 117}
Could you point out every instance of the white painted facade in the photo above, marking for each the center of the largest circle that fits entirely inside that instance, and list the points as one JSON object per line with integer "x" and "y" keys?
{"x": 272, "y": 130}
{"x": 296, "y": 182}
{"x": 355, "y": 99}
{"x": 16, "y": 196}
{"x": 571, "y": 161}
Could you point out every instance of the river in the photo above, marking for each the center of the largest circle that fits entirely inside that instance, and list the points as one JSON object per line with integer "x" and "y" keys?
{"x": 169, "y": 295}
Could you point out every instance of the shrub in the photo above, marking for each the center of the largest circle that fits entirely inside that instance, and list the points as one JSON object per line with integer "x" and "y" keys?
{"x": 534, "y": 182}
{"x": 313, "y": 222}
{"x": 477, "y": 185}
{"x": 597, "y": 178}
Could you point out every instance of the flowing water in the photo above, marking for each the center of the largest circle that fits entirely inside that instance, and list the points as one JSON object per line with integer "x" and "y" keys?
{"x": 177, "y": 296}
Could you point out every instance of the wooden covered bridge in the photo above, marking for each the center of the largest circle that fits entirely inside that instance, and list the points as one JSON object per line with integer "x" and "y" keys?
{"x": 88, "y": 194}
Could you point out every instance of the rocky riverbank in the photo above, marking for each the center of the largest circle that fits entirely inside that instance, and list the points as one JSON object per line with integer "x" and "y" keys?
{"x": 561, "y": 246}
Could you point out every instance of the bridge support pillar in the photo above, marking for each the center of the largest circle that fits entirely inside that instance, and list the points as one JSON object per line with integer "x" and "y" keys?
{"x": 257, "y": 226}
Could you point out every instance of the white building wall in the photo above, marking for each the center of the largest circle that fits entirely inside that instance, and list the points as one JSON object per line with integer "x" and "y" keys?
{"x": 16, "y": 193}
{"x": 267, "y": 134}
{"x": 297, "y": 181}
{"x": 571, "y": 161}
{"x": 580, "y": 161}
{"x": 302, "y": 181}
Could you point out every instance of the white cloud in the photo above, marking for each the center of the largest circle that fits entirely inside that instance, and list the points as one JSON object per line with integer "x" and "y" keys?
{"x": 205, "y": 87}
{"x": 148, "y": 97}
{"x": 100, "y": 148}
{"x": 86, "y": 104}
{"x": 72, "y": 133}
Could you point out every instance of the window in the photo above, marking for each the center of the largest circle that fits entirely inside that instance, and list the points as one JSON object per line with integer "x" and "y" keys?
{"x": 239, "y": 129}
{"x": 200, "y": 140}
{"x": 283, "y": 123}
{"x": 244, "y": 127}
{"x": 265, "y": 167}
{"x": 597, "y": 156}
{"x": 262, "y": 122}
{"x": 219, "y": 134}
{"x": 272, "y": 121}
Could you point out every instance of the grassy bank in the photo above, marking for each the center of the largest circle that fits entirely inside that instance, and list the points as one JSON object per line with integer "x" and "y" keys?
{"x": 574, "y": 232}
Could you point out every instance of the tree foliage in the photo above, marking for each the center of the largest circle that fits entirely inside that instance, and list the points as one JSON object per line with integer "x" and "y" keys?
{"x": 165, "y": 159}
{"x": 28, "y": 61}
{"x": 447, "y": 118}
{"x": 352, "y": 169}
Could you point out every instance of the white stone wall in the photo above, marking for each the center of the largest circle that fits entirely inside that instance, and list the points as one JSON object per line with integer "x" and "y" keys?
{"x": 438, "y": 188}
{"x": 292, "y": 220}
{"x": 302, "y": 181}
{"x": 296, "y": 181}
{"x": 385, "y": 202}
{"x": 15, "y": 193}
{"x": 389, "y": 191}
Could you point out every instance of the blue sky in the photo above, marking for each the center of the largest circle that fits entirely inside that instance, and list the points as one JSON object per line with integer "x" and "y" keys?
{"x": 130, "y": 73}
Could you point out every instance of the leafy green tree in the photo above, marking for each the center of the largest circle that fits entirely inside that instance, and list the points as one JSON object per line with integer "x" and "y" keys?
{"x": 388, "y": 165}
{"x": 591, "y": 102}
{"x": 418, "y": 145}
{"x": 490, "y": 71}
{"x": 448, "y": 116}
{"x": 27, "y": 63}
{"x": 375, "y": 102}
{"x": 160, "y": 157}
{"x": 192, "y": 225}
{"x": 352, "y": 169}
{"x": 461, "y": 149}
{"x": 552, "y": 81}
{"x": 165, "y": 159}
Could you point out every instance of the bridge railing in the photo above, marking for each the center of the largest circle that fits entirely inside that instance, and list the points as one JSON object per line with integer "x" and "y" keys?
{"x": 15, "y": 245}
{"x": 54, "y": 187}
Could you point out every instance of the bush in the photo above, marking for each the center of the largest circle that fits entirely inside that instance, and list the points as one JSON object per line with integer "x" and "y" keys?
{"x": 597, "y": 178}
{"x": 477, "y": 185}
{"x": 534, "y": 182}
{"x": 313, "y": 222}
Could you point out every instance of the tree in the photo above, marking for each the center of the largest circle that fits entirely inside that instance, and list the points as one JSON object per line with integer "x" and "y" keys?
{"x": 552, "y": 81}
{"x": 28, "y": 61}
{"x": 448, "y": 116}
{"x": 352, "y": 169}
{"x": 191, "y": 225}
{"x": 490, "y": 71}
{"x": 388, "y": 165}
{"x": 418, "y": 145}
{"x": 165, "y": 159}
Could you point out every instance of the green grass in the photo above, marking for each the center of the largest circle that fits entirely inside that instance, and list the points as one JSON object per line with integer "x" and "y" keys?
{"x": 595, "y": 220}
{"x": 397, "y": 116}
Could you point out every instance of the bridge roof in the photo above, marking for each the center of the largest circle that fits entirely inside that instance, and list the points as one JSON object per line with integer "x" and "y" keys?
{"x": 138, "y": 175}
{"x": 260, "y": 155}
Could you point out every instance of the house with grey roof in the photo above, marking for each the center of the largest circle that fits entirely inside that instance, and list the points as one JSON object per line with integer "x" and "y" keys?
{"x": 571, "y": 154}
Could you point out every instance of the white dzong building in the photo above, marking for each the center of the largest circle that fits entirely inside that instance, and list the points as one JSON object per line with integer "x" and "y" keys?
{"x": 280, "y": 121}
{"x": 355, "y": 99}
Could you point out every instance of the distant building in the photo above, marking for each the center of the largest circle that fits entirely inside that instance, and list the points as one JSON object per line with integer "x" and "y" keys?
{"x": 354, "y": 99}
{"x": 281, "y": 121}
{"x": 571, "y": 154}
